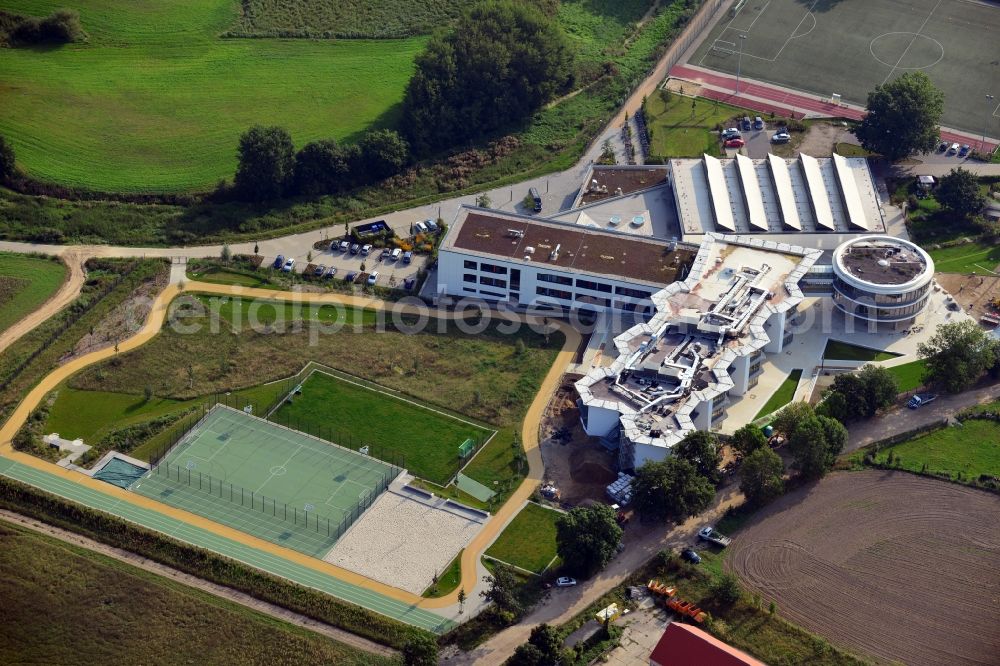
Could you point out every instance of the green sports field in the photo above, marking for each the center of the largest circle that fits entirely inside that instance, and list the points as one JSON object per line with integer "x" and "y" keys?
{"x": 155, "y": 100}
{"x": 25, "y": 283}
{"x": 260, "y": 478}
{"x": 354, "y": 413}
{"x": 832, "y": 46}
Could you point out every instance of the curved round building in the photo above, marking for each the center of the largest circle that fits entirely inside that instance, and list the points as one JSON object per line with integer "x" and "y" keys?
{"x": 881, "y": 279}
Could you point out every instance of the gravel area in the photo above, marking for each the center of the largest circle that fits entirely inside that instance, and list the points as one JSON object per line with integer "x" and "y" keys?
{"x": 403, "y": 542}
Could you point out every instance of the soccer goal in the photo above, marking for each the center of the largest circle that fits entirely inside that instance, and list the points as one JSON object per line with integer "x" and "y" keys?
{"x": 723, "y": 48}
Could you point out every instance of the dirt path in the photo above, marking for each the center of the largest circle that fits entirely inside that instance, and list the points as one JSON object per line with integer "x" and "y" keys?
{"x": 888, "y": 564}
{"x": 902, "y": 419}
{"x": 642, "y": 543}
{"x": 66, "y": 294}
{"x": 212, "y": 588}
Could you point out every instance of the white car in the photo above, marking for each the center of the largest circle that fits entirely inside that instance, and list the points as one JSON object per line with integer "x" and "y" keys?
{"x": 372, "y": 278}
{"x": 781, "y": 137}
{"x": 287, "y": 268}
{"x": 565, "y": 582}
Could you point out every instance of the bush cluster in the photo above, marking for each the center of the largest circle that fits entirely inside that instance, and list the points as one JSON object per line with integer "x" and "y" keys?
{"x": 60, "y": 27}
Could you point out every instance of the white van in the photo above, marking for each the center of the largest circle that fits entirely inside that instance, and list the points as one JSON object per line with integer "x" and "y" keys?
{"x": 396, "y": 254}
{"x": 422, "y": 228}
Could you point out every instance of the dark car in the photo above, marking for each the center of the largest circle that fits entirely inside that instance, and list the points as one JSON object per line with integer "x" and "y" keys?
{"x": 964, "y": 150}
{"x": 319, "y": 270}
{"x": 351, "y": 276}
{"x": 943, "y": 146}
{"x": 279, "y": 261}
{"x": 747, "y": 125}
{"x": 408, "y": 284}
{"x": 689, "y": 555}
{"x": 758, "y": 123}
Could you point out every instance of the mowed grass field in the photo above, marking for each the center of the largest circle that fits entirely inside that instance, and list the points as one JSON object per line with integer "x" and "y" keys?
{"x": 529, "y": 541}
{"x": 978, "y": 257}
{"x": 65, "y": 605}
{"x": 679, "y": 130}
{"x": 155, "y": 100}
{"x": 353, "y": 413}
{"x": 25, "y": 283}
{"x": 782, "y": 396}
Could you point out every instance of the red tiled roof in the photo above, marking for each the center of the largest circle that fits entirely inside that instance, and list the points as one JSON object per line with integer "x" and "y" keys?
{"x": 684, "y": 645}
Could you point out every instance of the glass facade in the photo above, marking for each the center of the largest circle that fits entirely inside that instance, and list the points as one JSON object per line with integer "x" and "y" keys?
{"x": 879, "y": 307}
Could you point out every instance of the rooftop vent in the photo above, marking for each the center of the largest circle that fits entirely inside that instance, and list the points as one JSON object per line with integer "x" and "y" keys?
{"x": 516, "y": 233}
{"x": 529, "y": 250}
{"x": 555, "y": 253}
{"x": 884, "y": 263}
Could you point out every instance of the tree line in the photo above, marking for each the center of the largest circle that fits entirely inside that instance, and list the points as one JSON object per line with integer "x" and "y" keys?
{"x": 60, "y": 27}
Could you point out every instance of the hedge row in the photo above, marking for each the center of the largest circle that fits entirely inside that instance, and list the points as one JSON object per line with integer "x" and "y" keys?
{"x": 113, "y": 531}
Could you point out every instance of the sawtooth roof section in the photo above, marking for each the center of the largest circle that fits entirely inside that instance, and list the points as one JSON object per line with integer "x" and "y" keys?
{"x": 720, "y": 194}
{"x": 751, "y": 192}
{"x": 854, "y": 210}
{"x": 786, "y": 194}
{"x": 818, "y": 196}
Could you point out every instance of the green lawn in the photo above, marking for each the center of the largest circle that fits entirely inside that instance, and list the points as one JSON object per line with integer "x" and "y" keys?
{"x": 237, "y": 277}
{"x": 677, "y": 130}
{"x": 353, "y": 415}
{"x": 133, "y": 616}
{"x": 25, "y": 283}
{"x": 345, "y": 18}
{"x": 978, "y": 257}
{"x": 909, "y": 376}
{"x": 91, "y": 414}
{"x": 448, "y": 580}
{"x": 851, "y": 150}
{"x": 243, "y": 311}
{"x": 529, "y": 541}
{"x": 844, "y": 351}
{"x": 155, "y": 99}
{"x": 971, "y": 449}
{"x": 782, "y": 396}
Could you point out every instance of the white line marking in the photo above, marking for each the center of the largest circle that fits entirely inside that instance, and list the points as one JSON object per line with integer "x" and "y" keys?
{"x": 915, "y": 35}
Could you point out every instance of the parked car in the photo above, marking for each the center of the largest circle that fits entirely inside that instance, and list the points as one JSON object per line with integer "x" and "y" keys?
{"x": 407, "y": 257}
{"x": 565, "y": 581}
{"x": 758, "y": 123}
{"x": 964, "y": 150}
{"x": 432, "y": 226}
{"x": 344, "y": 246}
{"x": 279, "y": 261}
{"x": 372, "y": 278}
{"x": 747, "y": 125}
{"x": 351, "y": 276}
{"x": 730, "y": 133}
{"x": 735, "y": 143}
{"x": 953, "y": 149}
{"x": 289, "y": 264}
{"x": 689, "y": 555}
{"x": 943, "y": 146}
{"x": 395, "y": 254}
{"x": 710, "y": 535}
{"x": 781, "y": 137}
{"x": 319, "y": 270}
{"x": 385, "y": 254}
{"x": 420, "y": 227}
{"x": 408, "y": 283}
{"x": 366, "y": 249}
{"x": 355, "y": 248}
{"x": 921, "y": 399}
{"x": 330, "y": 272}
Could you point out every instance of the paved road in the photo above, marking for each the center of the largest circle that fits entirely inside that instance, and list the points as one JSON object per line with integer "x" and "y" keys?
{"x": 902, "y": 419}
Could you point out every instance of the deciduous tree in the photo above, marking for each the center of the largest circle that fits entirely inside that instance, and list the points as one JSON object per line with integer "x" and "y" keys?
{"x": 903, "y": 117}
{"x": 421, "y": 650}
{"x": 748, "y": 439}
{"x": 6, "y": 159}
{"x": 322, "y": 167}
{"x": 761, "y": 476}
{"x": 587, "y": 538}
{"x": 701, "y": 449}
{"x": 502, "y": 589}
{"x": 383, "y": 153}
{"x": 266, "y": 163}
{"x": 958, "y": 354}
{"x": 959, "y": 192}
{"x": 670, "y": 490}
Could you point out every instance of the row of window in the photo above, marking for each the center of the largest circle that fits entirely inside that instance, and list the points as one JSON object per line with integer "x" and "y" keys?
{"x": 551, "y": 278}
{"x": 486, "y": 268}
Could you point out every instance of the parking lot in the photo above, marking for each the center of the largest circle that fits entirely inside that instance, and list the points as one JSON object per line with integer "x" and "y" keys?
{"x": 390, "y": 273}
{"x": 756, "y": 139}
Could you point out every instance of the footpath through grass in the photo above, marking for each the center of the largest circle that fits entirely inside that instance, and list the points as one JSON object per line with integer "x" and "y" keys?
{"x": 155, "y": 100}
{"x": 529, "y": 541}
{"x": 352, "y": 413}
{"x": 25, "y": 283}
{"x": 783, "y": 396}
{"x": 134, "y": 616}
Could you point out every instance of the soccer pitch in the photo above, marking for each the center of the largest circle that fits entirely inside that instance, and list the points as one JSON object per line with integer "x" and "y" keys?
{"x": 354, "y": 413}
{"x": 832, "y": 46}
{"x": 263, "y": 479}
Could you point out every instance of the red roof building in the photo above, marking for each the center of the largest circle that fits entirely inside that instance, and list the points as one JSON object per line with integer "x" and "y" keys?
{"x": 685, "y": 645}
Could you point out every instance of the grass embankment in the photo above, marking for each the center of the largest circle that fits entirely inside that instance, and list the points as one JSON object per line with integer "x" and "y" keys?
{"x": 682, "y": 126}
{"x": 448, "y": 580}
{"x": 486, "y": 376}
{"x": 33, "y": 356}
{"x": 611, "y": 56}
{"x": 132, "y": 615}
{"x": 25, "y": 283}
{"x": 354, "y": 414}
{"x": 158, "y": 547}
{"x": 529, "y": 541}
{"x": 961, "y": 452}
{"x": 845, "y": 351}
{"x": 909, "y": 376}
{"x": 782, "y": 396}
{"x": 155, "y": 101}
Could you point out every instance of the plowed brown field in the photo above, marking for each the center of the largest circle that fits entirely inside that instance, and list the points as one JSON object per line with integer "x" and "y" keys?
{"x": 886, "y": 564}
